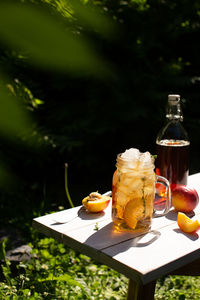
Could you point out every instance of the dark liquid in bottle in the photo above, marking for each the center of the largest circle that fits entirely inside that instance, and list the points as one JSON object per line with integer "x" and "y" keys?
{"x": 173, "y": 161}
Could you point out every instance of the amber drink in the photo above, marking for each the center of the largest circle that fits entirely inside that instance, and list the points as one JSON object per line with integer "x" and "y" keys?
{"x": 173, "y": 161}
{"x": 172, "y": 145}
{"x": 133, "y": 191}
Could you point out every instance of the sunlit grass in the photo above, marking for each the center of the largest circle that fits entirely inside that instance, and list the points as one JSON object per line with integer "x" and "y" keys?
{"x": 58, "y": 272}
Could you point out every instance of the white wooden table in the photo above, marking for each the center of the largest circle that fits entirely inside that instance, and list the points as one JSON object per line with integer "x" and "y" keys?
{"x": 143, "y": 259}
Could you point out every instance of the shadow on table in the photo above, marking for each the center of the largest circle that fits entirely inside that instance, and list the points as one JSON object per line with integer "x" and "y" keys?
{"x": 64, "y": 218}
{"x": 193, "y": 236}
{"x": 107, "y": 236}
{"x": 172, "y": 215}
{"x": 85, "y": 215}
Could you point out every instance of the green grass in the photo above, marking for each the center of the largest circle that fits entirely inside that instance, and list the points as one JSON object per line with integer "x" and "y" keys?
{"x": 57, "y": 272}
{"x": 178, "y": 287}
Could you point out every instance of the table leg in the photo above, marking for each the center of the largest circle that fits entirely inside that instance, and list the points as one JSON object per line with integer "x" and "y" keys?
{"x": 138, "y": 291}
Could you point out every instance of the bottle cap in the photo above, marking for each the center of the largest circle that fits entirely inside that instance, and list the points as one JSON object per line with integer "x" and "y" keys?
{"x": 174, "y": 111}
{"x": 174, "y": 99}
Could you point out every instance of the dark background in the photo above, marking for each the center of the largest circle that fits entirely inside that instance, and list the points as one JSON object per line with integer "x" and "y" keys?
{"x": 87, "y": 120}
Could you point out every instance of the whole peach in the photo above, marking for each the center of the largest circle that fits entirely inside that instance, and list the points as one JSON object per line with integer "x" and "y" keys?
{"x": 184, "y": 199}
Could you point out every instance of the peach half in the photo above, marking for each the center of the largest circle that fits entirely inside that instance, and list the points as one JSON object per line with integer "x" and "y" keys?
{"x": 96, "y": 202}
{"x": 186, "y": 224}
{"x": 133, "y": 212}
{"x": 184, "y": 199}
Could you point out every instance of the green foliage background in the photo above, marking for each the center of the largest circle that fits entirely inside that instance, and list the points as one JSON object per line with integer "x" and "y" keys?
{"x": 81, "y": 81}
{"x": 87, "y": 79}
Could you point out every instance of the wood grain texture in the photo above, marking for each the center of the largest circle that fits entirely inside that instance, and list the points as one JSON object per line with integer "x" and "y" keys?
{"x": 142, "y": 258}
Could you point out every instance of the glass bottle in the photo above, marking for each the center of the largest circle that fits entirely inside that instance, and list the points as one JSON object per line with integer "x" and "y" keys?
{"x": 173, "y": 146}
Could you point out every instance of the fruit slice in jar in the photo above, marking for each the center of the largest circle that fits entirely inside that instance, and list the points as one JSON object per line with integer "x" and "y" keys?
{"x": 186, "y": 224}
{"x": 133, "y": 212}
{"x": 120, "y": 211}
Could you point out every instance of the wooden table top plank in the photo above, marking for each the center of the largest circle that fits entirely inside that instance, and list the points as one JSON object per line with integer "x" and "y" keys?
{"x": 84, "y": 230}
{"x": 194, "y": 181}
{"x": 157, "y": 252}
{"x": 85, "y": 219}
{"x": 73, "y": 218}
{"x": 124, "y": 247}
{"x": 142, "y": 258}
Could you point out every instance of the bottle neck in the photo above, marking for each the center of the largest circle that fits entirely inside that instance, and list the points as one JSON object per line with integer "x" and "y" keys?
{"x": 173, "y": 130}
{"x": 174, "y": 112}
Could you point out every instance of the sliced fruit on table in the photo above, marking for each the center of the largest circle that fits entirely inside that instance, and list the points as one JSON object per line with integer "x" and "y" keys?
{"x": 96, "y": 202}
{"x": 186, "y": 224}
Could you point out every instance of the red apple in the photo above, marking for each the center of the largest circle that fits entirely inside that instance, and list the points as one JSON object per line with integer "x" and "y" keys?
{"x": 184, "y": 199}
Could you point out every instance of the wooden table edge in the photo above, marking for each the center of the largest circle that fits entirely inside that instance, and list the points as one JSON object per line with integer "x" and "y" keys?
{"x": 97, "y": 255}
{"x": 101, "y": 257}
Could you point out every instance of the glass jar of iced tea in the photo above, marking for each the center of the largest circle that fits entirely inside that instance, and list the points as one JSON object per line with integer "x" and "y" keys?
{"x": 133, "y": 191}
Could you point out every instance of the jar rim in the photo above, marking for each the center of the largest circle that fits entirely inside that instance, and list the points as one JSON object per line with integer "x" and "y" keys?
{"x": 125, "y": 162}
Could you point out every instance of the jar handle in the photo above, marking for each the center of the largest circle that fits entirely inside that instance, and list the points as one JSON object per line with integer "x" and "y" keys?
{"x": 165, "y": 182}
